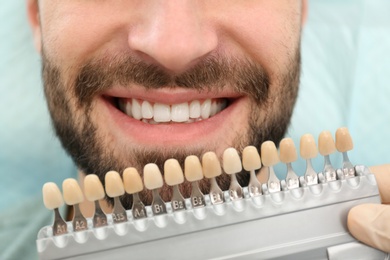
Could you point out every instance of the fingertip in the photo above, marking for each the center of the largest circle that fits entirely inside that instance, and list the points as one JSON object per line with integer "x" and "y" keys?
{"x": 369, "y": 223}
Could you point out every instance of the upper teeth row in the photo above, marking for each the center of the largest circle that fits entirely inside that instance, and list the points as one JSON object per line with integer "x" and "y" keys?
{"x": 160, "y": 113}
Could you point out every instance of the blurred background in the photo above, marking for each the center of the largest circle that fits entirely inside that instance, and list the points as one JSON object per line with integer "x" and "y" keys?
{"x": 345, "y": 82}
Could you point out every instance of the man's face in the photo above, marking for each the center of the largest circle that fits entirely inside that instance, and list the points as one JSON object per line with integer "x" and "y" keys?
{"x": 129, "y": 82}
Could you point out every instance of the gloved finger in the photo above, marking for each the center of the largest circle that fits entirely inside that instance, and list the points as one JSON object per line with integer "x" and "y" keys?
{"x": 370, "y": 224}
{"x": 382, "y": 175}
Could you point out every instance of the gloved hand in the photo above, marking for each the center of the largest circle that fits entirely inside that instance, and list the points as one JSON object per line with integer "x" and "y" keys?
{"x": 370, "y": 223}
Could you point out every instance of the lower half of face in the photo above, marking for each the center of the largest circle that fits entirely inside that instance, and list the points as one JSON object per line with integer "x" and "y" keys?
{"x": 126, "y": 116}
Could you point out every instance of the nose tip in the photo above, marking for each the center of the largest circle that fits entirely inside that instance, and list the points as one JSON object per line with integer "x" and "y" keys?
{"x": 174, "y": 40}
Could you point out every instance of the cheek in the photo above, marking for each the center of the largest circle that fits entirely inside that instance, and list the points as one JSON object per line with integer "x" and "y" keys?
{"x": 269, "y": 33}
{"x": 74, "y": 32}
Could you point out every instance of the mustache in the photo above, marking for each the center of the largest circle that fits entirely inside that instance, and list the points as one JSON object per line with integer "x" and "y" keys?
{"x": 212, "y": 73}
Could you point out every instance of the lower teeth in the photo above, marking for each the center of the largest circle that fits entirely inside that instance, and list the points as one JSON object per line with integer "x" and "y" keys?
{"x": 152, "y": 122}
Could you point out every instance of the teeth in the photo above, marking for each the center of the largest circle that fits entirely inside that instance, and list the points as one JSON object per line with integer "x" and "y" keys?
{"x": 180, "y": 113}
{"x": 162, "y": 113}
{"x": 214, "y": 108}
{"x": 195, "y": 109}
{"x": 147, "y": 110}
{"x": 136, "y": 109}
{"x": 205, "y": 109}
{"x": 128, "y": 109}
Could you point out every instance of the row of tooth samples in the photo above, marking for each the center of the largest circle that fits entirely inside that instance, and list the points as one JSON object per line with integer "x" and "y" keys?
{"x": 194, "y": 171}
{"x": 162, "y": 113}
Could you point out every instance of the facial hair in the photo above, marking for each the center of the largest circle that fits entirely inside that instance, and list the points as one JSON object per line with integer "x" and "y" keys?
{"x": 65, "y": 94}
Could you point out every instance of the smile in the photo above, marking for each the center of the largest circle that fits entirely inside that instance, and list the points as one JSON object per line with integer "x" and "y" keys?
{"x": 159, "y": 113}
{"x": 170, "y": 118}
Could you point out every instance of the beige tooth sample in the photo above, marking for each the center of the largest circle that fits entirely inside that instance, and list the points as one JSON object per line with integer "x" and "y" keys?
{"x": 251, "y": 158}
{"x": 153, "y": 181}
{"x": 326, "y": 146}
{"x": 173, "y": 175}
{"x": 343, "y": 140}
{"x": 52, "y": 199}
{"x": 152, "y": 177}
{"x": 193, "y": 172}
{"x": 73, "y": 196}
{"x": 288, "y": 155}
{"x": 288, "y": 152}
{"x": 212, "y": 169}
{"x": 232, "y": 165}
{"x": 270, "y": 157}
{"x": 344, "y": 144}
{"x": 308, "y": 152}
{"x": 94, "y": 191}
{"x": 308, "y": 147}
{"x": 115, "y": 189}
{"x": 251, "y": 162}
{"x": 132, "y": 183}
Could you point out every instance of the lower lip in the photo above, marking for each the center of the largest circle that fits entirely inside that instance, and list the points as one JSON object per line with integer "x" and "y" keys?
{"x": 173, "y": 134}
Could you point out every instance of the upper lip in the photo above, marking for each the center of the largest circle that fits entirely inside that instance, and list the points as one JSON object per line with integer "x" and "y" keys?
{"x": 168, "y": 95}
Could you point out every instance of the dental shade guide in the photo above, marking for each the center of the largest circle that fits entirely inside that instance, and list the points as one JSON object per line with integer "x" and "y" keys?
{"x": 73, "y": 196}
{"x": 94, "y": 192}
{"x": 251, "y": 162}
{"x": 52, "y": 199}
{"x": 308, "y": 150}
{"x": 211, "y": 170}
{"x": 270, "y": 157}
{"x": 327, "y": 146}
{"x": 344, "y": 144}
{"x": 305, "y": 222}
{"x": 153, "y": 181}
{"x": 194, "y": 173}
{"x": 232, "y": 165}
{"x": 115, "y": 189}
{"x": 173, "y": 175}
{"x": 288, "y": 155}
{"x": 132, "y": 183}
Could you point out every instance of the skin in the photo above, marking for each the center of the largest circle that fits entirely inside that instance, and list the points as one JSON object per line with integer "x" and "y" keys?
{"x": 151, "y": 33}
{"x": 175, "y": 37}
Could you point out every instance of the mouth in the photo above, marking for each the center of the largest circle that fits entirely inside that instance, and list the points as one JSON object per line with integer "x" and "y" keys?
{"x": 159, "y": 113}
{"x": 170, "y": 118}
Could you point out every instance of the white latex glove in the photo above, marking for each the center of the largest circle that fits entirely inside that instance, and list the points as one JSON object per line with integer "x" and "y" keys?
{"x": 370, "y": 223}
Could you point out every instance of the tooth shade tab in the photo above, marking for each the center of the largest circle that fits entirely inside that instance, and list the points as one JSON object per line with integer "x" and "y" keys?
{"x": 231, "y": 161}
{"x": 288, "y": 152}
{"x": 343, "y": 140}
{"x": 52, "y": 197}
{"x": 308, "y": 147}
{"x": 114, "y": 184}
{"x": 193, "y": 169}
{"x": 132, "y": 181}
{"x": 152, "y": 177}
{"x": 326, "y": 144}
{"x": 269, "y": 154}
{"x": 251, "y": 158}
{"x": 93, "y": 188}
{"x": 72, "y": 192}
{"x": 173, "y": 174}
{"x": 211, "y": 165}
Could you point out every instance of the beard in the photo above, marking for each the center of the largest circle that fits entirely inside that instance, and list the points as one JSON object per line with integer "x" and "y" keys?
{"x": 70, "y": 98}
